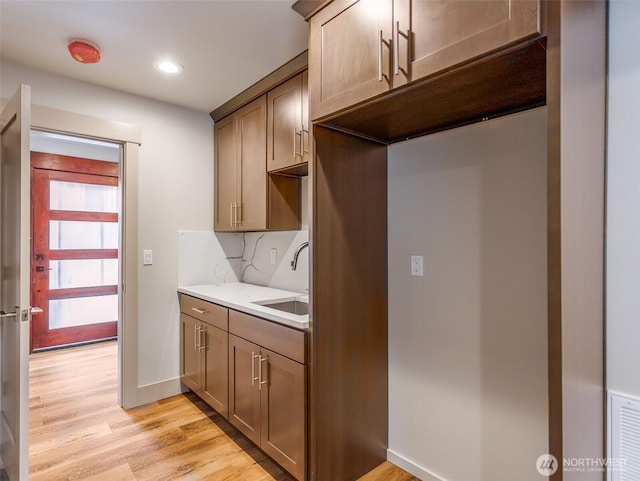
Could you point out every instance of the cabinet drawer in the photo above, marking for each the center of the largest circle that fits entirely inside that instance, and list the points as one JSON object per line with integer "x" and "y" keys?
{"x": 208, "y": 312}
{"x": 283, "y": 340}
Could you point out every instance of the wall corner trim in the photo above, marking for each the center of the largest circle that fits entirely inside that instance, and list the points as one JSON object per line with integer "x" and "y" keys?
{"x": 411, "y": 467}
{"x": 159, "y": 390}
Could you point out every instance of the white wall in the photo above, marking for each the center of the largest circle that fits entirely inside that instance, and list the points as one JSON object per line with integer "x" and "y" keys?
{"x": 175, "y": 193}
{"x": 468, "y": 341}
{"x": 215, "y": 257}
{"x": 74, "y": 146}
{"x": 623, "y": 200}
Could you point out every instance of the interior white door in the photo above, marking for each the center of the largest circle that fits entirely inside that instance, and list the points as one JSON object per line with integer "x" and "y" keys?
{"x": 15, "y": 244}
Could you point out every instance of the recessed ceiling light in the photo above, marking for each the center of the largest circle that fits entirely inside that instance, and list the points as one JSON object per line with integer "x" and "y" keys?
{"x": 168, "y": 66}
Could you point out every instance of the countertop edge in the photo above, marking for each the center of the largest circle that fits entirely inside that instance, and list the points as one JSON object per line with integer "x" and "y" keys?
{"x": 250, "y": 308}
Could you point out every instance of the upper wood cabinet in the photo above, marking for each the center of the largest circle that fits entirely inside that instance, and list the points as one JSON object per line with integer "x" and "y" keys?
{"x": 348, "y": 56}
{"x": 394, "y": 42}
{"x": 246, "y": 197}
{"x": 226, "y": 169}
{"x": 288, "y": 140}
{"x": 240, "y": 169}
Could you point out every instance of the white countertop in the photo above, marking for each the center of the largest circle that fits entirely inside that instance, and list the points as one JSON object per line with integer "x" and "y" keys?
{"x": 243, "y": 297}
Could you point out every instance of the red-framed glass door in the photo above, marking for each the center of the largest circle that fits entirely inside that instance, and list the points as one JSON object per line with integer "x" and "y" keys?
{"x": 74, "y": 267}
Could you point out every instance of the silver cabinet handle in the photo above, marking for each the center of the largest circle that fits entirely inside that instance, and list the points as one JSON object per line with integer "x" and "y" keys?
{"x": 396, "y": 57}
{"x": 297, "y": 133}
{"x": 238, "y": 213}
{"x": 262, "y": 359}
{"x": 253, "y": 368}
{"x": 203, "y": 340}
{"x": 196, "y": 338}
{"x": 380, "y": 57}
{"x": 231, "y": 215}
{"x": 199, "y": 311}
{"x": 304, "y": 131}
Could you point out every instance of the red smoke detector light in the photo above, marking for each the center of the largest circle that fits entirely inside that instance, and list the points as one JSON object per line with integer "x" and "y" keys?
{"x": 84, "y": 52}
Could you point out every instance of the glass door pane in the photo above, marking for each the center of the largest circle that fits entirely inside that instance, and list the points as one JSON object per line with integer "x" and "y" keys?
{"x": 73, "y": 273}
{"x": 82, "y": 311}
{"x": 75, "y": 196}
{"x": 73, "y": 234}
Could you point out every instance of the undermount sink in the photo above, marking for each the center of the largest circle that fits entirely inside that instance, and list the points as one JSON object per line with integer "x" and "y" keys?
{"x": 299, "y": 308}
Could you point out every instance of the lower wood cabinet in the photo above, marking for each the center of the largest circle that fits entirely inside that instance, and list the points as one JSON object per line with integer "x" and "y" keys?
{"x": 229, "y": 359}
{"x": 215, "y": 381}
{"x": 204, "y": 352}
{"x": 267, "y": 402}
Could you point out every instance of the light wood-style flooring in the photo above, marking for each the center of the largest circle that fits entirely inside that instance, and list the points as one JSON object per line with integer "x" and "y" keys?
{"x": 77, "y": 431}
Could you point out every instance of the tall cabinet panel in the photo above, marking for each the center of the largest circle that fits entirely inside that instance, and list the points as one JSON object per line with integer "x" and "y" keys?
{"x": 348, "y": 388}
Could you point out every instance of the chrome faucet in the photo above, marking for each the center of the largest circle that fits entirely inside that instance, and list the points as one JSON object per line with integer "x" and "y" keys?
{"x": 294, "y": 262}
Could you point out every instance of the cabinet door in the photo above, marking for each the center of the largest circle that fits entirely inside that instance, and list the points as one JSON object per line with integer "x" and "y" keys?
{"x": 215, "y": 376}
{"x": 438, "y": 34}
{"x": 348, "y": 54}
{"x": 283, "y": 426}
{"x": 284, "y": 126}
{"x": 190, "y": 358}
{"x": 226, "y": 172}
{"x": 244, "y": 393}
{"x": 252, "y": 142}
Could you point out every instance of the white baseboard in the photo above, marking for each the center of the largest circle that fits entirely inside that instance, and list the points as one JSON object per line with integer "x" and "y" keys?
{"x": 159, "y": 390}
{"x": 411, "y": 467}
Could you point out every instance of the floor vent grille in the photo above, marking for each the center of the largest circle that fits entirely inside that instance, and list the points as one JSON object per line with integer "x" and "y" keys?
{"x": 624, "y": 437}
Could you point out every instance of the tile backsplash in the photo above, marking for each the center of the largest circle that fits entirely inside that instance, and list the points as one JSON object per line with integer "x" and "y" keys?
{"x": 257, "y": 267}
{"x": 213, "y": 258}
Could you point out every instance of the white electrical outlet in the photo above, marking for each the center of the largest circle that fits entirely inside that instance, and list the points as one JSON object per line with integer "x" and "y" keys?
{"x": 417, "y": 266}
{"x": 147, "y": 257}
{"x": 274, "y": 256}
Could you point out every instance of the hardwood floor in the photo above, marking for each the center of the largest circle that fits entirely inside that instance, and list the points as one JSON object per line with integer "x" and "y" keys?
{"x": 77, "y": 431}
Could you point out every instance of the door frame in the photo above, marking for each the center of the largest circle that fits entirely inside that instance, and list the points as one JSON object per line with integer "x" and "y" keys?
{"x": 129, "y": 137}
{"x": 45, "y": 169}
{"x": 14, "y": 426}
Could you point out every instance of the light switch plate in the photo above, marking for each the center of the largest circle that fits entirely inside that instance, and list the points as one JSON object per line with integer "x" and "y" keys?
{"x": 147, "y": 257}
{"x": 417, "y": 268}
{"x": 274, "y": 256}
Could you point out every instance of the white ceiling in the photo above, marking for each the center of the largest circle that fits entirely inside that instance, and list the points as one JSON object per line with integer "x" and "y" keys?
{"x": 224, "y": 45}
